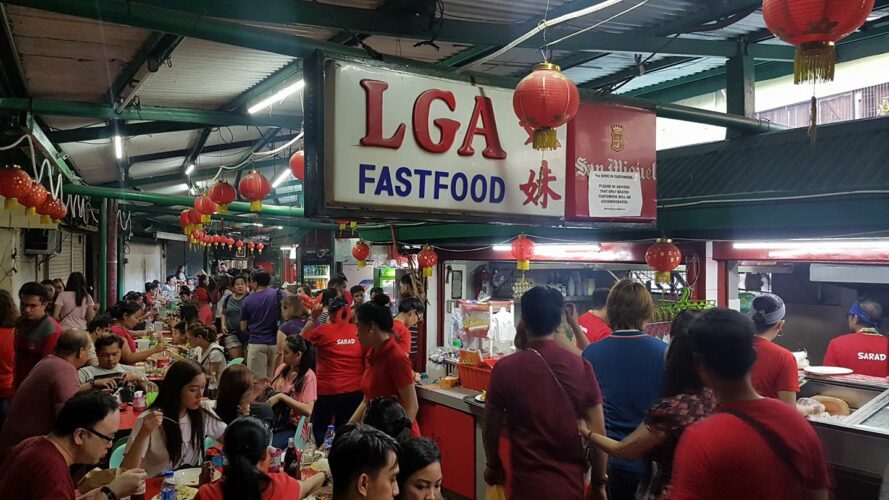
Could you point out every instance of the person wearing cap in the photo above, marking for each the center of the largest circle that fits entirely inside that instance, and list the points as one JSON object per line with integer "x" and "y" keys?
{"x": 775, "y": 373}
{"x": 865, "y": 351}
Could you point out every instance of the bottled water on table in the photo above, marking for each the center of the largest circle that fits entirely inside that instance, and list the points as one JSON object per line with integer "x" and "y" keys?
{"x": 168, "y": 488}
{"x": 328, "y": 439}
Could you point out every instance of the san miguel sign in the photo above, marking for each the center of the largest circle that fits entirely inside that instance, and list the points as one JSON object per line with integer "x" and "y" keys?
{"x": 394, "y": 142}
{"x": 385, "y": 142}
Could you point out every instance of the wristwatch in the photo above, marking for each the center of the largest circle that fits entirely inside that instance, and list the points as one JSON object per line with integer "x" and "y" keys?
{"x": 328, "y": 479}
{"x": 108, "y": 493}
{"x": 599, "y": 482}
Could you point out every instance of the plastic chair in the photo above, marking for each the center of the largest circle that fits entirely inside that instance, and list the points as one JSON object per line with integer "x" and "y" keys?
{"x": 117, "y": 452}
{"x": 209, "y": 443}
{"x": 298, "y": 436}
{"x": 236, "y": 361}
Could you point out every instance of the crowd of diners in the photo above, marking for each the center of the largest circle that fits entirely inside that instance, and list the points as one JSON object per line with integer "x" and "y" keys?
{"x": 592, "y": 406}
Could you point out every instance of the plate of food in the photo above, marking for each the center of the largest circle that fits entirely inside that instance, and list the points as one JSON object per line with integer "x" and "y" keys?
{"x": 192, "y": 477}
{"x": 481, "y": 397}
{"x": 183, "y": 492}
{"x": 827, "y": 370}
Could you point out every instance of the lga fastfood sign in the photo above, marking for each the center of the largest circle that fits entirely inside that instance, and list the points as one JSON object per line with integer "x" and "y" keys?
{"x": 382, "y": 141}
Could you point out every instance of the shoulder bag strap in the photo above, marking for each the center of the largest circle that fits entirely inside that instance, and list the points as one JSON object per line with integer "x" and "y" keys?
{"x": 772, "y": 439}
{"x": 558, "y": 382}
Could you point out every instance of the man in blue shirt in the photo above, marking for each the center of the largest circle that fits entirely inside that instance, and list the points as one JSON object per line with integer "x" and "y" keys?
{"x": 260, "y": 313}
{"x": 630, "y": 367}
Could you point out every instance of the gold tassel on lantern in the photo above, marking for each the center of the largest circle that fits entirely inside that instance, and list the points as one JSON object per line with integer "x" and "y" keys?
{"x": 427, "y": 271}
{"x": 814, "y": 62}
{"x": 663, "y": 278}
{"x": 544, "y": 139}
{"x": 256, "y": 206}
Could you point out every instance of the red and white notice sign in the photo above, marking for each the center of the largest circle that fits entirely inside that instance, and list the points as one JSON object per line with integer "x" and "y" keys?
{"x": 612, "y": 172}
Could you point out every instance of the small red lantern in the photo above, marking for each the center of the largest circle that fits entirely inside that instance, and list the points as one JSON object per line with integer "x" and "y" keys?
{"x": 663, "y": 257}
{"x": 298, "y": 165}
{"x": 195, "y": 217}
{"x": 205, "y": 206}
{"x": 427, "y": 260}
{"x": 229, "y": 242}
{"x": 545, "y": 100}
{"x": 251, "y": 246}
{"x": 185, "y": 222}
{"x": 260, "y": 247}
{"x": 361, "y": 251}
{"x": 239, "y": 244}
{"x": 15, "y": 184}
{"x": 814, "y": 26}
{"x": 46, "y": 209}
{"x": 523, "y": 250}
{"x": 59, "y": 211}
{"x": 222, "y": 193}
{"x": 254, "y": 186}
{"x": 34, "y": 198}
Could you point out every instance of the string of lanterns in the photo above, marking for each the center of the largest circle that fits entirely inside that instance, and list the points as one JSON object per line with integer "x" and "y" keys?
{"x": 19, "y": 189}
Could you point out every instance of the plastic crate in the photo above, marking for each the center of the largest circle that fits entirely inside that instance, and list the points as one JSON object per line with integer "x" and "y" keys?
{"x": 473, "y": 377}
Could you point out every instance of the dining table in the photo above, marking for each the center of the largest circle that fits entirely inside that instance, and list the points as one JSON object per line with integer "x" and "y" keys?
{"x": 153, "y": 485}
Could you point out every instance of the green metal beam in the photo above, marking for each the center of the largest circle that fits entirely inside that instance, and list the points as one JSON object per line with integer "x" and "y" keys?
{"x": 103, "y": 255}
{"x": 148, "y": 60}
{"x": 196, "y": 148}
{"x": 740, "y": 93}
{"x": 176, "y": 153}
{"x": 126, "y": 129}
{"x": 106, "y": 112}
{"x": 49, "y": 149}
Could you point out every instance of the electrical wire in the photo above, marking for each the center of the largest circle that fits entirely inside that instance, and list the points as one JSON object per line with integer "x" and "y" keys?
{"x": 619, "y": 14}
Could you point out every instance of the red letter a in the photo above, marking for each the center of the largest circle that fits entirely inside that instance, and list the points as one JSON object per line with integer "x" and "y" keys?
{"x": 484, "y": 110}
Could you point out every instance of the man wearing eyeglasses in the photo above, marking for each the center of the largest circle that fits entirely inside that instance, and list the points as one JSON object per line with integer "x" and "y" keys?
{"x": 44, "y": 391}
{"x": 82, "y": 434}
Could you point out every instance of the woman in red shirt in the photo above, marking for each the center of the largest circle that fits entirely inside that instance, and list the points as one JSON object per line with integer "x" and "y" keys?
{"x": 410, "y": 312}
{"x": 340, "y": 364}
{"x": 388, "y": 371}
{"x": 8, "y": 315}
{"x": 246, "y": 474}
{"x": 202, "y": 298}
{"x": 127, "y": 314}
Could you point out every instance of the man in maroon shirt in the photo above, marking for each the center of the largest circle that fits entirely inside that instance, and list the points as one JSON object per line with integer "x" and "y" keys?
{"x": 83, "y": 433}
{"x": 36, "y": 332}
{"x": 754, "y": 447}
{"x": 542, "y": 393}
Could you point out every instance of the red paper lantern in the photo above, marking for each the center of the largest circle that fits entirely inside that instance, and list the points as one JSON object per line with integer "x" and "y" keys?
{"x": 46, "y": 209}
{"x": 814, "y": 26}
{"x": 34, "y": 198}
{"x": 251, "y": 246}
{"x": 298, "y": 165}
{"x": 361, "y": 251}
{"x": 427, "y": 259}
{"x": 663, "y": 257}
{"x": 545, "y": 100}
{"x": 239, "y": 244}
{"x": 222, "y": 193}
{"x": 260, "y": 247}
{"x": 15, "y": 184}
{"x": 205, "y": 206}
{"x": 229, "y": 242}
{"x": 254, "y": 186}
{"x": 58, "y": 210}
{"x": 523, "y": 250}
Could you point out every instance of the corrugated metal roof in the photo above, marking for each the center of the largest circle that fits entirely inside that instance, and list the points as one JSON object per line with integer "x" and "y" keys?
{"x": 207, "y": 75}
{"x": 404, "y": 47}
{"x": 71, "y": 58}
{"x": 685, "y": 69}
{"x": 500, "y": 11}
{"x": 778, "y": 164}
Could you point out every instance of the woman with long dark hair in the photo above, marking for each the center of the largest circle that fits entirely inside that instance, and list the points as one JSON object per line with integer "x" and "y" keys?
{"x": 202, "y": 300}
{"x": 74, "y": 307}
{"x": 171, "y": 434}
{"x": 237, "y": 394}
{"x": 9, "y": 313}
{"x": 684, "y": 401}
{"x": 234, "y": 339}
{"x": 419, "y": 470}
{"x": 126, "y": 315}
{"x": 295, "y": 386}
{"x": 388, "y": 371}
{"x": 387, "y": 415}
{"x": 246, "y": 475}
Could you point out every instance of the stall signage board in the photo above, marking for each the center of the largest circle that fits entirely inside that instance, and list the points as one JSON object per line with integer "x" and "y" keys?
{"x": 397, "y": 143}
{"x": 612, "y": 175}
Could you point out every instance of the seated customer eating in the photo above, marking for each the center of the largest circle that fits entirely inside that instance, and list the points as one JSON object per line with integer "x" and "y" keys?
{"x": 108, "y": 351}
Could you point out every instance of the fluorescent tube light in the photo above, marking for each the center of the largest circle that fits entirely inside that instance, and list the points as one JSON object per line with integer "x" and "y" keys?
{"x": 814, "y": 245}
{"x": 277, "y": 97}
{"x": 118, "y": 147}
{"x": 502, "y": 248}
{"x": 292, "y": 253}
{"x": 189, "y": 169}
{"x": 555, "y": 249}
{"x": 281, "y": 178}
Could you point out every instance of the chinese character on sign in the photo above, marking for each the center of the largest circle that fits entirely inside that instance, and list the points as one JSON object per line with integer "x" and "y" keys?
{"x": 537, "y": 189}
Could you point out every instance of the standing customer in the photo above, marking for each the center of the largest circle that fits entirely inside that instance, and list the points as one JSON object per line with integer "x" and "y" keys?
{"x": 43, "y": 393}
{"x": 865, "y": 350}
{"x": 684, "y": 401}
{"x": 559, "y": 390}
{"x": 36, "y": 332}
{"x": 388, "y": 371}
{"x": 259, "y": 318}
{"x": 38, "y": 467}
{"x": 295, "y": 385}
{"x": 754, "y": 447}
{"x": 235, "y": 339}
{"x": 340, "y": 360}
{"x": 246, "y": 473}
{"x": 774, "y": 374}
{"x": 594, "y": 322}
{"x": 294, "y": 315}
{"x": 220, "y": 294}
{"x": 630, "y": 367}
{"x": 8, "y": 316}
{"x": 74, "y": 307}
{"x": 202, "y": 300}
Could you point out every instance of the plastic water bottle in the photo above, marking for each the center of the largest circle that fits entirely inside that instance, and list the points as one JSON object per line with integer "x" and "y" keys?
{"x": 168, "y": 488}
{"x": 308, "y": 451}
{"x": 328, "y": 439}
